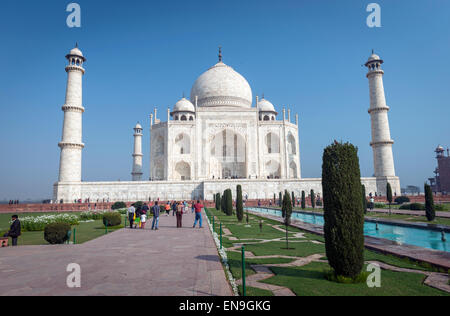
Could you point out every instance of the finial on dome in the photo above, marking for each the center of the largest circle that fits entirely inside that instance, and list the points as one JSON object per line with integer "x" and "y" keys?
{"x": 220, "y": 54}
{"x": 373, "y": 51}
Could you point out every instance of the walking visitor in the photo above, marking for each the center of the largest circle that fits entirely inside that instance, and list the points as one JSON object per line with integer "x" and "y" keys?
{"x": 131, "y": 213}
{"x": 198, "y": 213}
{"x": 180, "y": 210}
{"x": 155, "y": 211}
{"x": 144, "y": 216}
{"x": 174, "y": 208}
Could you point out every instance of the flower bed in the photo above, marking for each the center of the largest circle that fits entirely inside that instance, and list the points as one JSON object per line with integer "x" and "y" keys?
{"x": 38, "y": 223}
{"x": 223, "y": 256}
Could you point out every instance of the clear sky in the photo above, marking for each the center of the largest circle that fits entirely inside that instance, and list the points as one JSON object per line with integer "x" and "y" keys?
{"x": 305, "y": 55}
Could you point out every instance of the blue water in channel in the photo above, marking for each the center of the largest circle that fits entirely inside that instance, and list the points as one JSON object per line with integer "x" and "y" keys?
{"x": 425, "y": 238}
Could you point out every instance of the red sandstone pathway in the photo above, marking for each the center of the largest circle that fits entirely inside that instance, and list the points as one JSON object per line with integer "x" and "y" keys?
{"x": 170, "y": 261}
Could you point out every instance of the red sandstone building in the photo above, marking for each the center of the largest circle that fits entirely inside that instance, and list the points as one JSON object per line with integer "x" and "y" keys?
{"x": 441, "y": 181}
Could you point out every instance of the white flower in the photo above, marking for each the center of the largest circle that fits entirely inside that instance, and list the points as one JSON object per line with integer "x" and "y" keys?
{"x": 223, "y": 255}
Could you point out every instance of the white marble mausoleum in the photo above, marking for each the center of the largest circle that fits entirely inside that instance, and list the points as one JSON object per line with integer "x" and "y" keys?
{"x": 219, "y": 138}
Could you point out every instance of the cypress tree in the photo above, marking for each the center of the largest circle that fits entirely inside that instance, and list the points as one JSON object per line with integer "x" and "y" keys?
{"x": 239, "y": 203}
{"x": 229, "y": 202}
{"x": 286, "y": 210}
{"x": 303, "y": 200}
{"x": 293, "y": 199}
{"x": 280, "y": 199}
{"x": 364, "y": 199}
{"x": 223, "y": 202}
{"x": 429, "y": 203}
{"x": 313, "y": 199}
{"x": 274, "y": 199}
{"x": 343, "y": 214}
{"x": 217, "y": 201}
{"x": 389, "y": 195}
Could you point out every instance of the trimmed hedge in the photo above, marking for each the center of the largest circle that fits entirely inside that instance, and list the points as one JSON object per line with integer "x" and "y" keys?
{"x": 112, "y": 219}
{"x": 118, "y": 205}
{"x": 402, "y": 199}
{"x": 56, "y": 233}
{"x": 413, "y": 207}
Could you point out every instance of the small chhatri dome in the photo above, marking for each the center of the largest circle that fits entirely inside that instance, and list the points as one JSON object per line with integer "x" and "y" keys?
{"x": 265, "y": 106}
{"x": 184, "y": 105}
{"x": 138, "y": 126}
{"x": 75, "y": 51}
{"x": 439, "y": 149}
{"x": 374, "y": 58}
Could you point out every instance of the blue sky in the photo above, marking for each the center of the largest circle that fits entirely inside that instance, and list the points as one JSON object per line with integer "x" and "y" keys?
{"x": 303, "y": 54}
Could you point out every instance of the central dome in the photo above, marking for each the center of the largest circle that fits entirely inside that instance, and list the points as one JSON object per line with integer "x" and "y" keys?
{"x": 222, "y": 86}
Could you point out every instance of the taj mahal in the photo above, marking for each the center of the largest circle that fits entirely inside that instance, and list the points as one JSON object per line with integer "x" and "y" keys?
{"x": 220, "y": 137}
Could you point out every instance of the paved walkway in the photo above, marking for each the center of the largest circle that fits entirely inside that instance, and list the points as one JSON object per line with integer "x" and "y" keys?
{"x": 170, "y": 261}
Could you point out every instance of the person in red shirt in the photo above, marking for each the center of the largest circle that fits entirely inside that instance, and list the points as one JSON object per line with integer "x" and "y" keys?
{"x": 198, "y": 213}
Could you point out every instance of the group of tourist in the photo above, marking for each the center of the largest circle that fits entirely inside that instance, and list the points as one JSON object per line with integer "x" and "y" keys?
{"x": 137, "y": 216}
{"x": 13, "y": 202}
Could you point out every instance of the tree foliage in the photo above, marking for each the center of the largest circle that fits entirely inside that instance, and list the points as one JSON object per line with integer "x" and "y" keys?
{"x": 303, "y": 200}
{"x": 239, "y": 203}
{"x": 343, "y": 211}
{"x": 429, "y": 203}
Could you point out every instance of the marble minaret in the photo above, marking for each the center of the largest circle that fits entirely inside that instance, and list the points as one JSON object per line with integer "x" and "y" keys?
{"x": 381, "y": 135}
{"x": 137, "y": 154}
{"x": 71, "y": 144}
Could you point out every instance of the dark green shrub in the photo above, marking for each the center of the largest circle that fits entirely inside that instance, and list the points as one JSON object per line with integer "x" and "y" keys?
{"x": 118, "y": 205}
{"x": 56, "y": 233}
{"x": 343, "y": 212}
{"x": 429, "y": 203}
{"x": 223, "y": 202}
{"x": 239, "y": 203}
{"x": 112, "y": 219}
{"x": 303, "y": 200}
{"x": 229, "y": 202}
{"x": 402, "y": 199}
{"x": 293, "y": 199}
{"x": 280, "y": 199}
{"x": 413, "y": 207}
{"x": 286, "y": 208}
{"x": 439, "y": 207}
{"x": 379, "y": 205}
{"x": 218, "y": 201}
{"x": 313, "y": 199}
{"x": 138, "y": 205}
{"x": 364, "y": 199}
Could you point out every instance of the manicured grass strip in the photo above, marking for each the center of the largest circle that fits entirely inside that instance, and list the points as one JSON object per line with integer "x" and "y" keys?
{"x": 253, "y": 291}
{"x": 303, "y": 249}
{"x": 309, "y": 280}
{"x": 235, "y": 263}
{"x": 84, "y": 233}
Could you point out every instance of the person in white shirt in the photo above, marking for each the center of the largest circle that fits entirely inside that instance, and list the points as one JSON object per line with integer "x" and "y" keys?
{"x": 130, "y": 211}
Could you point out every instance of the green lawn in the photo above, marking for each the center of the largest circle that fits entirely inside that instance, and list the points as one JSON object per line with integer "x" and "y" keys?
{"x": 84, "y": 231}
{"x": 310, "y": 279}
